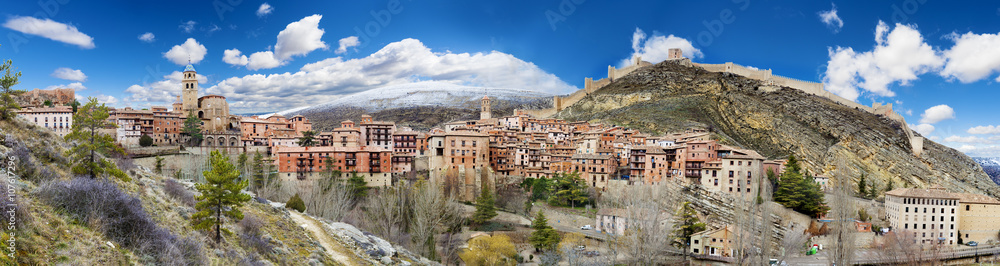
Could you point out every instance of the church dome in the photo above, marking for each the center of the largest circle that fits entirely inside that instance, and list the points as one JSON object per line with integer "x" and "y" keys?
{"x": 189, "y": 67}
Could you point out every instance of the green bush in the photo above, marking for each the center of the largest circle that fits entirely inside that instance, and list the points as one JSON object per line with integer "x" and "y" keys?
{"x": 145, "y": 141}
{"x": 296, "y": 203}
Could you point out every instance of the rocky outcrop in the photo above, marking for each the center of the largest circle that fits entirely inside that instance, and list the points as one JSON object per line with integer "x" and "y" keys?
{"x": 830, "y": 138}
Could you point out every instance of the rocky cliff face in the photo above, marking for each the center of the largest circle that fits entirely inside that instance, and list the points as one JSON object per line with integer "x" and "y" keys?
{"x": 830, "y": 138}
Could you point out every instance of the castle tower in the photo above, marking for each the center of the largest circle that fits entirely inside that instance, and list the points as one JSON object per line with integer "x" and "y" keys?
{"x": 485, "y": 113}
{"x": 190, "y": 90}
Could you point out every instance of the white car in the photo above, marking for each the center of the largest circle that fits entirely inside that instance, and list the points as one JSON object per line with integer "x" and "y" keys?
{"x": 587, "y": 227}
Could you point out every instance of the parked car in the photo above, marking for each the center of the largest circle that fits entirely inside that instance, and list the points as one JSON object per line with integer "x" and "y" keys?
{"x": 587, "y": 227}
{"x": 972, "y": 243}
{"x": 580, "y": 248}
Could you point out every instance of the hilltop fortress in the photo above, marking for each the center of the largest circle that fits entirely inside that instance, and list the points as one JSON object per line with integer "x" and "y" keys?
{"x": 770, "y": 81}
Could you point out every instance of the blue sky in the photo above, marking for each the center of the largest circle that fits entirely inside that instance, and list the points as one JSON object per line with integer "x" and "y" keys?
{"x": 936, "y": 62}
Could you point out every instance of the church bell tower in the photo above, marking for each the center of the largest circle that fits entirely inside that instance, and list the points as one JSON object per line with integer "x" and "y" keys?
{"x": 189, "y": 90}
{"x": 485, "y": 113}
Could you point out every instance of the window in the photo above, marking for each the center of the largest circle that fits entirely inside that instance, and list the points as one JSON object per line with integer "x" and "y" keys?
{"x": 967, "y": 207}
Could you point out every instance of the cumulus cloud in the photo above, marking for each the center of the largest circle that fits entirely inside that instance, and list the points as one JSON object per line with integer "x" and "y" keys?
{"x": 981, "y": 150}
{"x": 189, "y": 50}
{"x": 831, "y": 19}
{"x": 923, "y": 129}
{"x": 988, "y": 129}
{"x": 76, "y": 86}
{"x": 161, "y": 92}
{"x": 147, "y": 37}
{"x": 300, "y": 38}
{"x": 937, "y": 114}
{"x": 264, "y": 10}
{"x": 69, "y": 74}
{"x": 900, "y": 55}
{"x": 347, "y": 43}
{"x": 974, "y": 57}
{"x": 188, "y": 26}
{"x": 654, "y": 48}
{"x": 263, "y": 60}
{"x": 402, "y": 62}
{"x": 966, "y": 139}
{"x": 234, "y": 57}
{"x": 51, "y": 30}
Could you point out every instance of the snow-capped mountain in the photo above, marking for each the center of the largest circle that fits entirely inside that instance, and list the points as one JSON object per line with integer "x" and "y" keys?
{"x": 428, "y": 93}
{"x": 991, "y": 166}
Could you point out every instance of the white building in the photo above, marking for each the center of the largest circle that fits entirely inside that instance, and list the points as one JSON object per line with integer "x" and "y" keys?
{"x": 58, "y": 118}
{"x": 928, "y": 214}
{"x": 128, "y": 132}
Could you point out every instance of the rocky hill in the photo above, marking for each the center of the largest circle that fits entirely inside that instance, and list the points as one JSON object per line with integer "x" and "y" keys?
{"x": 145, "y": 219}
{"x": 830, "y": 138}
{"x": 421, "y": 105}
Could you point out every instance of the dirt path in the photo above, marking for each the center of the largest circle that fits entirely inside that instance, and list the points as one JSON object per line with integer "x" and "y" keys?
{"x": 333, "y": 248}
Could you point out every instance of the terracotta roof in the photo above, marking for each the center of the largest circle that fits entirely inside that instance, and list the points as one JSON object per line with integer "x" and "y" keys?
{"x": 976, "y": 198}
{"x": 591, "y": 156}
{"x": 930, "y": 193}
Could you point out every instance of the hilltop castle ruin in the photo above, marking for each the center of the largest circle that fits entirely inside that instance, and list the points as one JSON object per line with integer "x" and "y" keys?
{"x": 770, "y": 81}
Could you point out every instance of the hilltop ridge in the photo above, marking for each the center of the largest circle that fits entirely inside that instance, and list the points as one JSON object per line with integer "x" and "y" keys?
{"x": 832, "y": 138}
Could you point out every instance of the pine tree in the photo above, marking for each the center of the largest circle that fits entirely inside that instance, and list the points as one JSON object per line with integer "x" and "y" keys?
{"x": 485, "y": 207}
{"x": 159, "y": 165}
{"x": 544, "y": 237}
{"x": 89, "y": 144}
{"x": 358, "y": 186}
{"x": 862, "y": 189}
{"x": 8, "y": 107}
{"x": 307, "y": 139}
{"x": 569, "y": 190}
{"x": 799, "y": 193}
{"x": 192, "y": 128}
{"x": 889, "y": 186}
{"x": 688, "y": 226}
{"x": 221, "y": 195}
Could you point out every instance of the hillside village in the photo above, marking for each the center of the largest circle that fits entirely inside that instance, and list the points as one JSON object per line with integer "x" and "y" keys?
{"x": 602, "y": 163}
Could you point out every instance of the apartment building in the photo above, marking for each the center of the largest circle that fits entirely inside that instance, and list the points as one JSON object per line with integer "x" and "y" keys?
{"x": 929, "y": 214}
{"x": 59, "y": 119}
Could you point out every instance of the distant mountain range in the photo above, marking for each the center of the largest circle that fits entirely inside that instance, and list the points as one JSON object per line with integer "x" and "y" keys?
{"x": 420, "y": 105}
{"x": 991, "y": 166}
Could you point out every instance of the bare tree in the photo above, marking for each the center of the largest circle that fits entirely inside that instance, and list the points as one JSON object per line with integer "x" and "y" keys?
{"x": 899, "y": 247}
{"x": 792, "y": 242}
{"x": 843, "y": 211}
{"x": 384, "y": 212}
{"x": 753, "y": 224}
{"x": 431, "y": 210}
{"x": 329, "y": 199}
{"x": 647, "y": 212}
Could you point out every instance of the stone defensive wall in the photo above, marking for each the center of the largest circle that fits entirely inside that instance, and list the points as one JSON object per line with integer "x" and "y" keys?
{"x": 590, "y": 86}
{"x": 774, "y": 82}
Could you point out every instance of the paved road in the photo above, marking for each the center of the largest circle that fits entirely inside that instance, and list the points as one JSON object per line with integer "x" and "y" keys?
{"x": 872, "y": 256}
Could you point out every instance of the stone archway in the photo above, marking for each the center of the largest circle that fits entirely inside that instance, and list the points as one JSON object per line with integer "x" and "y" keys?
{"x": 222, "y": 141}
{"x": 210, "y": 141}
{"x": 233, "y": 141}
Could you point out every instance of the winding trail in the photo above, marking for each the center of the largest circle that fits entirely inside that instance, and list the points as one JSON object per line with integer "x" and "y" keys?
{"x": 334, "y": 249}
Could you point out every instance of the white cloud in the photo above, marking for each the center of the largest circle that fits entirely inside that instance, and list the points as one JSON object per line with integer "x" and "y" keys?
{"x": 106, "y": 99}
{"x": 162, "y": 92}
{"x": 234, "y": 57}
{"x": 402, "y": 62}
{"x": 50, "y": 29}
{"x": 923, "y": 129}
{"x": 76, "y": 86}
{"x": 981, "y": 150}
{"x": 967, "y": 139}
{"x": 654, "y": 48}
{"x": 189, "y": 50}
{"x": 347, "y": 43}
{"x": 264, "y": 10}
{"x": 899, "y": 56}
{"x": 300, "y": 38}
{"x": 988, "y": 129}
{"x": 147, "y": 37}
{"x": 994, "y": 138}
{"x": 974, "y": 57}
{"x": 69, "y": 74}
{"x": 188, "y": 26}
{"x": 263, "y": 60}
{"x": 831, "y": 19}
{"x": 937, "y": 114}
{"x": 934, "y": 138}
